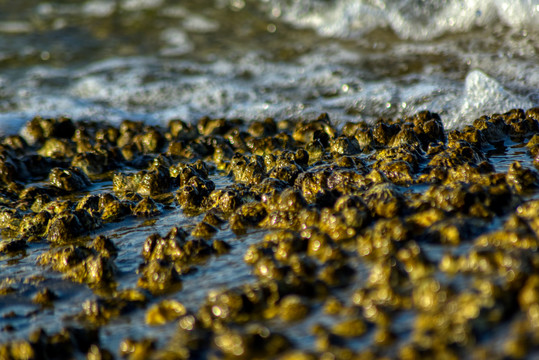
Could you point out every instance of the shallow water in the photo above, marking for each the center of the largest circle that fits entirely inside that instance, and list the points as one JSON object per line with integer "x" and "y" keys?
{"x": 155, "y": 60}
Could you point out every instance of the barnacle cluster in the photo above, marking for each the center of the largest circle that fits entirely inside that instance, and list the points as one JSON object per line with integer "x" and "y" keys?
{"x": 407, "y": 240}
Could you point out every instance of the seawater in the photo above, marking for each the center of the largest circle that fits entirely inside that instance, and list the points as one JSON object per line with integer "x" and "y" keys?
{"x": 156, "y": 60}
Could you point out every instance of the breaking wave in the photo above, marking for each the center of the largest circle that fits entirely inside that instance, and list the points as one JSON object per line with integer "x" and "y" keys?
{"x": 409, "y": 19}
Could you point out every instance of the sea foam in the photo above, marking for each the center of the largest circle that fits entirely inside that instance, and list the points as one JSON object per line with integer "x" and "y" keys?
{"x": 409, "y": 19}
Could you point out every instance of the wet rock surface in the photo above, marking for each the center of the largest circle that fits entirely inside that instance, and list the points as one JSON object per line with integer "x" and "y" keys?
{"x": 291, "y": 239}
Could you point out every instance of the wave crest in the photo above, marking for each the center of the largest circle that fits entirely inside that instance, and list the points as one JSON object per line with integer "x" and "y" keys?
{"x": 409, "y": 19}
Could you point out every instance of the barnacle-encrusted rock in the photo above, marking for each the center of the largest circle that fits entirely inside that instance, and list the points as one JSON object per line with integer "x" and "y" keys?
{"x": 72, "y": 179}
{"x": 454, "y": 231}
{"x": 103, "y": 309}
{"x": 104, "y": 246}
{"x": 45, "y": 297}
{"x": 165, "y": 311}
{"x": 293, "y": 308}
{"x": 146, "y": 208}
{"x": 164, "y": 248}
{"x": 520, "y": 178}
{"x": 204, "y": 230}
{"x": 9, "y": 218}
{"x": 12, "y": 246}
{"x": 256, "y": 342}
{"x": 220, "y": 247}
{"x": 159, "y": 277}
{"x": 350, "y": 328}
{"x": 64, "y": 227}
{"x": 250, "y": 214}
{"x": 35, "y": 224}
{"x": 226, "y": 200}
{"x": 111, "y": 208}
{"x": 93, "y": 162}
{"x": 80, "y": 264}
{"x": 384, "y": 200}
{"x": 193, "y": 193}
{"x": 306, "y": 131}
{"x": 149, "y": 141}
{"x": 11, "y": 169}
{"x": 146, "y": 182}
{"x": 234, "y": 305}
{"x": 247, "y": 170}
{"x": 57, "y": 148}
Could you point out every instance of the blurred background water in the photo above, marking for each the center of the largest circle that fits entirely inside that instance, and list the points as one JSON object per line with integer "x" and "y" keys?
{"x": 155, "y": 60}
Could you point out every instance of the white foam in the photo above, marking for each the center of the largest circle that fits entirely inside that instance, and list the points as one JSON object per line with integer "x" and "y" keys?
{"x": 178, "y": 42}
{"x": 15, "y": 27}
{"x": 418, "y": 23}
{"x": 200, "y": 24}
{"x": 517, "y": 13}
{"x": 410, "y": 19}
{"x": 134, "y": 5}
{"x": 484, "y": 95}
{"x": 339, "y": 18}
{"x": 174, "y": 11}
{"x": 99, "y": 8}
